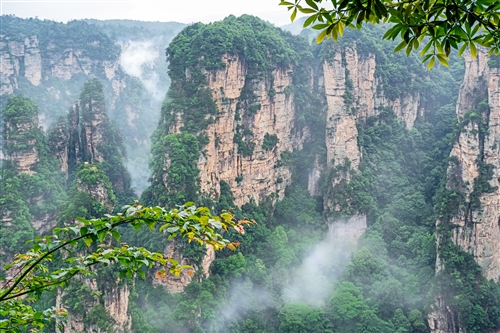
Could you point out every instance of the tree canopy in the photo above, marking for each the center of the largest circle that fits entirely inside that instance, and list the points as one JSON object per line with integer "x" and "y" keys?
{"x": 436, "y": 25}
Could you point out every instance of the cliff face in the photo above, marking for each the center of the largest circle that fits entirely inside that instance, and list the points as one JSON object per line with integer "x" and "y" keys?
{"x": 50, "y": 62}
{"x": 260, "y": 171}
{"x": 28, "y": 167}
{"x": 476, "y": 227}
{"x": 24, "y": 59}
{"x": 19, "y": 58}
{"x": 354, "y": 93}
{"x": 21, "y": 144}
{"x": 99, "y": 303}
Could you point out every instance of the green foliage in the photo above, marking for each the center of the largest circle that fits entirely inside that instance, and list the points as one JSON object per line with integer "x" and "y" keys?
{"x": 270, "y": 141}
{"x": 110, "y": 147}
{"x": 302, "y": 318}
{"x": 438, "y": 24}
{"x": 58, "y": 37}
{"x": 258, "y": 43}
{"x": 461, "y": 283}
{"x": 90, "y": 181}
{"x": 399, "y": 74}
{"x": 36, "y": 275}
{"x": 30, "y": 194}
{"x": 298, "y": 208}
{"x": 242, "y": 137}
{"x": 180, "y": 154}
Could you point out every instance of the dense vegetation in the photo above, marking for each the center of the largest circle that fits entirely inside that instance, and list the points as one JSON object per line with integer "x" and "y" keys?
{"x": 36, "y": 193}
{"x": 73, "y": 53}
{"x": 285, "y": 276}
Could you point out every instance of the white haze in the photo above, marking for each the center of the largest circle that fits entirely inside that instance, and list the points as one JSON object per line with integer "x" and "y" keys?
{"x": 243, "y": 296}
{"x": 313, "y": 280}
{"x": 137, "y": 56}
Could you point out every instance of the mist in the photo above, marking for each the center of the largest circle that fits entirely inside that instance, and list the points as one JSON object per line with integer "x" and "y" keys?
{"x": 313, "y": 280}
{"x": 138, "y": 60}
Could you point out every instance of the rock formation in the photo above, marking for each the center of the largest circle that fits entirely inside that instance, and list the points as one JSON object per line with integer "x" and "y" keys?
{"x": 259, "y": 173}
{"x": 19, "y": 58}
{"x": 476, "y": 227}
{"x": 102, "y": 296}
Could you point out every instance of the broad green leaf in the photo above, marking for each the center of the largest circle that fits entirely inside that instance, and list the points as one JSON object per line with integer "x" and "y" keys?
{"x": 400, "y": 46}
{"x": 88, "y": 241}
{"x": 116, "y": 235}
{"x": 312, "y": 4}
{"x": 442, "y": 59}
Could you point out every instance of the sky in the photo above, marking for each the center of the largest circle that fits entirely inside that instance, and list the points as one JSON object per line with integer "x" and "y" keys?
{"x": 185, "y": 11}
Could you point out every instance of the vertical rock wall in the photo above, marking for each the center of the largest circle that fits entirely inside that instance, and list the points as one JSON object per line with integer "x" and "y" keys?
{"x": 476, "y": 230}
{"x": 19, "y": 58}
{"x": 276, "y": 116}
{"x": 16, "y": 134}
{"x": 353, "y": 94}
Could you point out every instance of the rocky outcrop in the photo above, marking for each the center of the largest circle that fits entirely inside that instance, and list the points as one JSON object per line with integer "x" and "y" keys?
{"x": 115, "y": 303}
{"x": 102, "y": 293}
{"x": 58, "y": 142}
{"x": 259, "y": 175}
{"x": 24, "y": 160}
{"x": 23, "y": 58}
{"x": 19, "y": 58}
{"x": 477, "y": 231}
{"x": 347, "y": 231}
{"x": 476, "y": 228}
{"x": 313, "y": 178}
{"x": 354, "y": 93}
{"x": 176, "y": 284}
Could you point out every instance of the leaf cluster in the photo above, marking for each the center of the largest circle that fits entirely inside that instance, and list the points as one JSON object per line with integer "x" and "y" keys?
{"x": 436, "y": 25}
{"x": 30, "y": 274}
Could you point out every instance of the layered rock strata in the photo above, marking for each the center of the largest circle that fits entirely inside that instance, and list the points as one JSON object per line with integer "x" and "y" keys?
{"x": 259, "y": 175}
{"x": 476, "y": 230}
{"x": 354, "y": 93}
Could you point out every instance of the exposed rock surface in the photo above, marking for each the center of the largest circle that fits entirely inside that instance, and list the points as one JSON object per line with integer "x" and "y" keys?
{"x": 116, "y": 302}
{"x": 24, "y": 160}
{"x": 20, "y": 58}
{"x": 476, "y": 231}
{"x": 353, "y": 94}
{"x": 58, "y": 141}
{"x": 261, "y": 173}
{"x": 176, "y": 284}
{"x": 115, "y": 294}
{"x": 348, "y": 231}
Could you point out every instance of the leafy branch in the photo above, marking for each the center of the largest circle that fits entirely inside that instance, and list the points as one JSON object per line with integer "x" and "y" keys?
{"x": 31, "y": 273}
{"x": 439, "y": 24}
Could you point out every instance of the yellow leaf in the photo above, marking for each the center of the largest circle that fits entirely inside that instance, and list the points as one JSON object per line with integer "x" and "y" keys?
{"x": 321, "y": 36}
{"x": 431, "y": 64}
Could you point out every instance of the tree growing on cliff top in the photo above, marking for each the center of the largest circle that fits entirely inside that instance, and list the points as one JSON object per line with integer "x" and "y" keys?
{"x": 437, "y": 25}
{"x": 31, "y": 273}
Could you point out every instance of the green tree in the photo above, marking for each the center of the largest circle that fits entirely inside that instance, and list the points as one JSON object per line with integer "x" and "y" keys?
{"x": 437, "y": 25}
{"x": 31, "y": 273}
{"x": 301, "y": 318}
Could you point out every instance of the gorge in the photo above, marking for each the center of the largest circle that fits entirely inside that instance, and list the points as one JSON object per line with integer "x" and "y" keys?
{"x": 373, "y": 182}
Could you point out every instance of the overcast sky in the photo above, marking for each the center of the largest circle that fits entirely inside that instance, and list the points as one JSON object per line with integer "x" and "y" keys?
{"x": 186, "y": 11}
